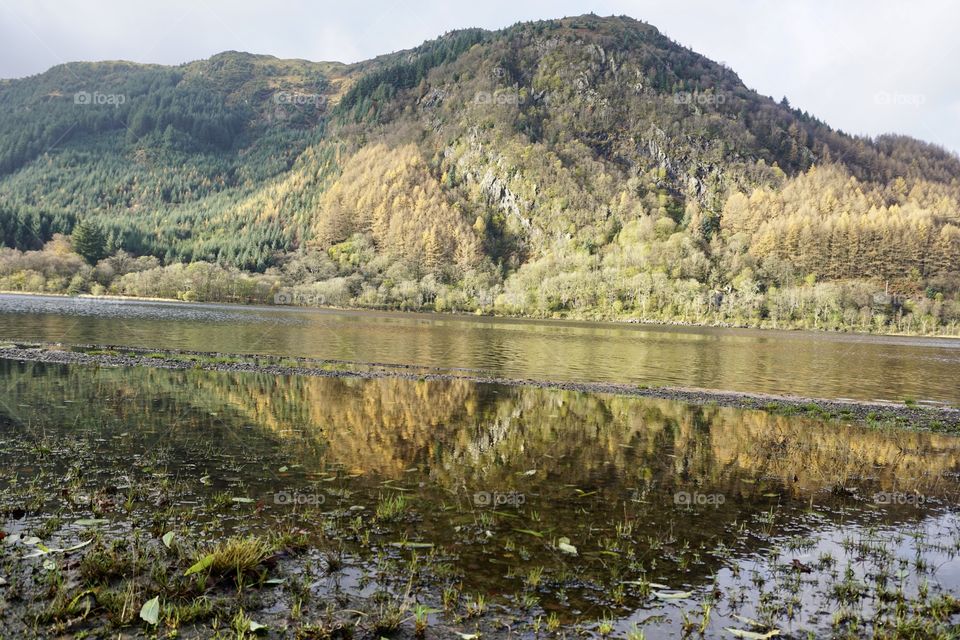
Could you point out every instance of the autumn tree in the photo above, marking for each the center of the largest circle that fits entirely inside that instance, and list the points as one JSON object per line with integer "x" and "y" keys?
{"x": 392, "y": 195}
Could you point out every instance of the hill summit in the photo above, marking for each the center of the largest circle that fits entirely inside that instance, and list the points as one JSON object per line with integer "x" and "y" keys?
{"x": 586, "y": 167}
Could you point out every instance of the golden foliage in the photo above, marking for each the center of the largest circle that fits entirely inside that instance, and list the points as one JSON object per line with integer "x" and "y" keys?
{"x": 828, "y": 223}
{"x": 392, "y": 194}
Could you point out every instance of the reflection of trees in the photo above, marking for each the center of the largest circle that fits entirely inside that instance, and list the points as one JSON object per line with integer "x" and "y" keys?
{"x": 471, "y": 434}
{"x": 485, "y": 437}
{"x": 179, "y": 410}
{"x": 815, "y": 454}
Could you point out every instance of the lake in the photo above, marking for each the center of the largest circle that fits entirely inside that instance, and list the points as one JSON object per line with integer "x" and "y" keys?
{"x": 811, "y": 364}
{"x": 322, "y": 507}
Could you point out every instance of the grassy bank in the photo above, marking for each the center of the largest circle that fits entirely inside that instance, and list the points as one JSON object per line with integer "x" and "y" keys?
{"x": 316, "y": 280}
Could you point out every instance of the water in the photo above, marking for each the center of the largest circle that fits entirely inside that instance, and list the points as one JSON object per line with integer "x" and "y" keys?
{"x": 794, "y": 363}
{"x": 700, "y": 502}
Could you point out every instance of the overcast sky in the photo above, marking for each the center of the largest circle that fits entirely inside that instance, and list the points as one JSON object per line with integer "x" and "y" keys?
{"x": 864, "y": 66}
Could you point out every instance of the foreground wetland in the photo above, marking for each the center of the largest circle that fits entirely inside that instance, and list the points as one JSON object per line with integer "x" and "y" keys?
{"x": 197, "y": 497}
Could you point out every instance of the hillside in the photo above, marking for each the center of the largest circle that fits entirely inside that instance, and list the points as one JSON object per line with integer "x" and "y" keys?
{"x": 585, "y": 167}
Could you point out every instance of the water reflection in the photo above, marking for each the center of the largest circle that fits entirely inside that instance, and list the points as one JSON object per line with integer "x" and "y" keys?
{"x": 460, "y": 432}
{"x": 641, "y": 487}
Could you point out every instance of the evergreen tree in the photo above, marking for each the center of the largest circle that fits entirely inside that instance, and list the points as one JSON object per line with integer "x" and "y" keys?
{"x": 89, "y": 241}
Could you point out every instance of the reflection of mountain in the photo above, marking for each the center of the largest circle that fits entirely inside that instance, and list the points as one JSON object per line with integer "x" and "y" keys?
{"x": 819, "y": 455}
{"x": 468, "y": 434}
{"x": 627, "y": 456}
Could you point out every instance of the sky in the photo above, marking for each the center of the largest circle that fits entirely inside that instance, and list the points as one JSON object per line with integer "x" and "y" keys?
{"x": 863, "y": 66}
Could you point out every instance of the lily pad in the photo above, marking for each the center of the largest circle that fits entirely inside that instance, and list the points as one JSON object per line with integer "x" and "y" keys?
{"x": 752, "y": 635}
{"x": 412, "y": 545}
{"x": 91, "y": 522}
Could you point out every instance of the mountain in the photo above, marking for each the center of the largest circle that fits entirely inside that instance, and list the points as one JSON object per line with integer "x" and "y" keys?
{"x": 585, "y": 167}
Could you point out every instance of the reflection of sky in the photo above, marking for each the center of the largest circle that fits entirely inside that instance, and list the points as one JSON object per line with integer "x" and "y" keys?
{"x": 936, "y": 529}
{"x": 139, "y": 310}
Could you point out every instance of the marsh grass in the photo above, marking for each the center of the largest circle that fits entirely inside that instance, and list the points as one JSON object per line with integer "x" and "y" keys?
{"x": 237, "y": 555}
{"x": 391, "y": 507}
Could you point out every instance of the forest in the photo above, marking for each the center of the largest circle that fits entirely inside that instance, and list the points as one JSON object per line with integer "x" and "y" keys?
{"x": 583, "y": 168}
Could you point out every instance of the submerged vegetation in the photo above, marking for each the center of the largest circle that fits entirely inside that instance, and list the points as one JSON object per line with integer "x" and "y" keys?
{"x": 585, "y": 167}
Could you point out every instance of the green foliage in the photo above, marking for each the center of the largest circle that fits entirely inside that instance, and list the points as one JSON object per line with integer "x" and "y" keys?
{"x": 374, "y": 88}
{"x": 28, "y": 228}
{"x": 89, "y": 241}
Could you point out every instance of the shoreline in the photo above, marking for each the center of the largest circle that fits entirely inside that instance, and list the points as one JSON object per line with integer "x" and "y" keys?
{"x": 873, "y": 413}
{"x": 464, "y": 315}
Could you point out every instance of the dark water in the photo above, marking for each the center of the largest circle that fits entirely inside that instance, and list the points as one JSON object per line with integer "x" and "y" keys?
{"x": 797, "y": 363}
{"x": 699, "y": 500}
